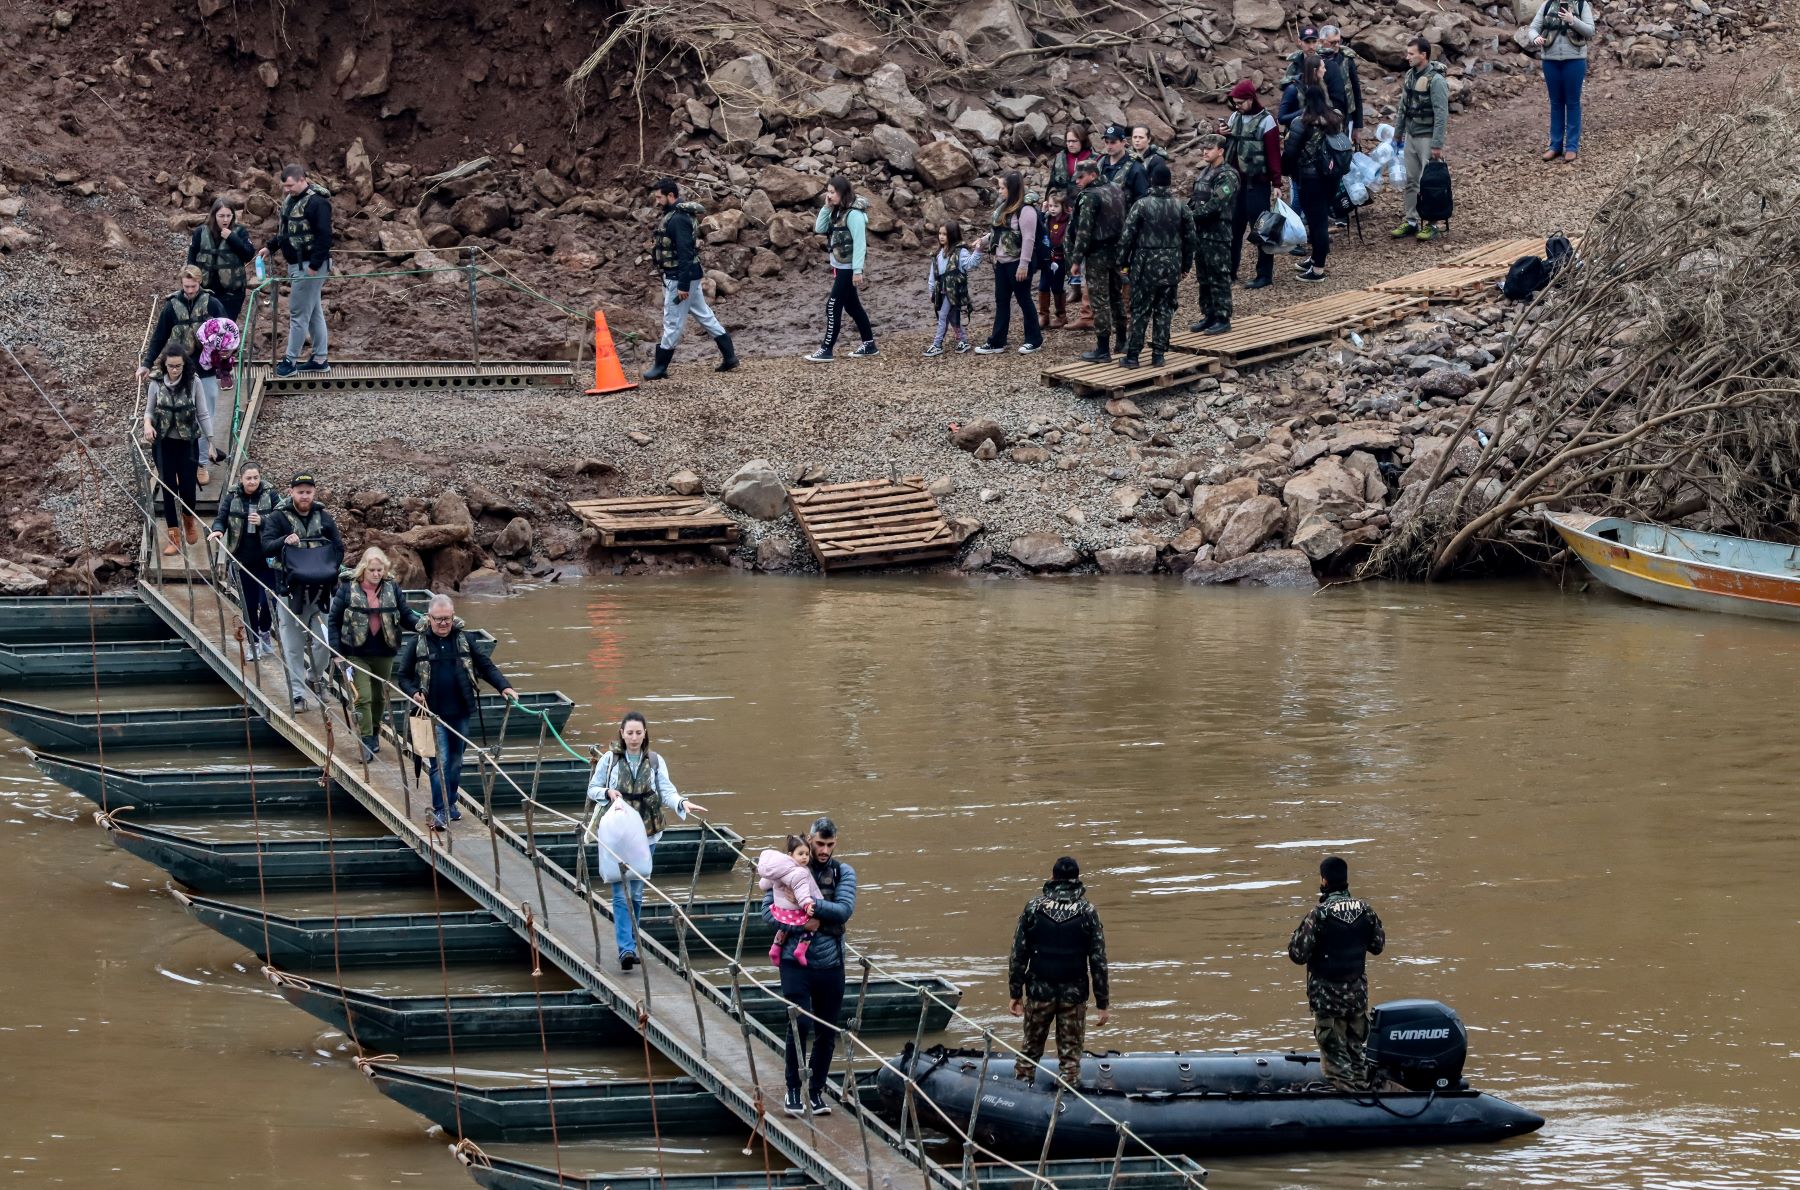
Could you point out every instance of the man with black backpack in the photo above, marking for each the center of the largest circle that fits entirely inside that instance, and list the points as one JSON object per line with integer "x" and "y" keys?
{"x": 1091, "y": 251}
{"x": 1419, "y": 132}
{"x": 305, "y": 551}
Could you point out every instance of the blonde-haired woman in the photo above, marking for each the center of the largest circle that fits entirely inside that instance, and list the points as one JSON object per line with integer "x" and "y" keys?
{"x": 368, "y": 615}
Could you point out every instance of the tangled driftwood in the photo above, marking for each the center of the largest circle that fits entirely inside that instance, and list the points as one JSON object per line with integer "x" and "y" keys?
{"x": 1658, "y": 380}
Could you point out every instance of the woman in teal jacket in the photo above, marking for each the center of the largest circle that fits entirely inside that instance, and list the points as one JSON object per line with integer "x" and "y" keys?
{"x": 844, "y": 222}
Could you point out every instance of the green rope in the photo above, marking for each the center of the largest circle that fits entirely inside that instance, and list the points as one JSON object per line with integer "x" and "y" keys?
{"x": 545, "y": 715}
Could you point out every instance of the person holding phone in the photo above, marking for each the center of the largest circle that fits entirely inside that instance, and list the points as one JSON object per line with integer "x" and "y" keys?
{"x": 1562, "y": 29}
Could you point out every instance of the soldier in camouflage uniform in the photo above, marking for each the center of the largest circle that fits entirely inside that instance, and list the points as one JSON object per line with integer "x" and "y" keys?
{"x": 1095, "y": 260}
{"x": 1058, "y": 951}
{"x": 1158, "y": 245}
{"x": 1213, "y": 203}
{"x": 1332, "y": 941}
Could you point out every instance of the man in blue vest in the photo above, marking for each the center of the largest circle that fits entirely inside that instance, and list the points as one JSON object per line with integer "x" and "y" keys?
{"x": 1332, "y": 942}
{"x": 815, "y": 982}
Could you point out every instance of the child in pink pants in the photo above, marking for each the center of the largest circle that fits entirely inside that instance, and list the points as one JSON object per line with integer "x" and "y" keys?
{"x": 796, "y": 892}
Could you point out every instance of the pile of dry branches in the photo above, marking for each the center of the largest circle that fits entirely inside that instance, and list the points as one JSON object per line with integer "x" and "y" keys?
{"x": 1658, "y": 380}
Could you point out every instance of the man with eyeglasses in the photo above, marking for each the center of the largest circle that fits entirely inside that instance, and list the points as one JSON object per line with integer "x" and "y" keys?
{"x": 438, "y": 669}
{"x": 1342, "y": 82}
{"x": 815, "y": 982}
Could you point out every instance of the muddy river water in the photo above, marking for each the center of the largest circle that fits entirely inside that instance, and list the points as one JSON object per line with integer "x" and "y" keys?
{"x": 1575, "y": 815}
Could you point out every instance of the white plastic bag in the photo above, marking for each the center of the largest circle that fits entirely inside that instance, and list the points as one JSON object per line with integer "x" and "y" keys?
{"x": 1397, "y": 173}
{"x": 1293, "y": 228}
{"x": 622, "y": 841}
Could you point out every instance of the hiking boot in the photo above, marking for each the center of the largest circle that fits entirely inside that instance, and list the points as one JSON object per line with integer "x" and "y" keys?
{"x": 1157, "y": 359}
{"x": 1130, "y": 361}
{"x": 867, "y": 350}
{"x": 660, "y": 366}
{"x": 1426, "y": 232}
{"x": 1203, "y": 327}
{"x": 1102, "y": 352}
{"x": 791, "y": 1105}
{"x": 821, "y": 356}
{"x": 1221, "y": 326}
{"x": 285, "y": 368}
{"x": 1030, "y": 348}
{"x": 935, "y": 350}
{"x": 1083, "y": 320}
{"x": 990, "y": 349}
{"x": 727, "y": 353}
{"x": 316, "y": 366}
{"x": 816, "y": 1101}
{"x": 1409, "y": 228}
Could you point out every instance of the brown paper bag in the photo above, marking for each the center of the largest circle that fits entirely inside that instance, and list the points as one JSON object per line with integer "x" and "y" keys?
{"x": 424, "y": 734}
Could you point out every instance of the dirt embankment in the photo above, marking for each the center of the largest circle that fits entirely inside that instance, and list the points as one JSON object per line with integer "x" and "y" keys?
{"x": 154, "y": 112}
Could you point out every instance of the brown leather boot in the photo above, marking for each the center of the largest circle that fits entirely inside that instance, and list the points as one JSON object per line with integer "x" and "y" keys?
{"x": 1084, "y": 317}
{"x": 193, "y": 528}
{"x": 173, "y": 546}
{"x": 1043, "y": 310}
{"x": 1062, "y": 309}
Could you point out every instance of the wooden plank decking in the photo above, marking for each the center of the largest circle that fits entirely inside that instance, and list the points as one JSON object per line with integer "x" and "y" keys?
{"x": 1254, "y": 339}
{"x": 649, "y": 522}
{"x": 874, "y": 522}
{"x": 1180, "y": 366}
{"x": 1354, "y": 309}
{"x": 410, "y": 375}
{"x": 1447, "y": 283}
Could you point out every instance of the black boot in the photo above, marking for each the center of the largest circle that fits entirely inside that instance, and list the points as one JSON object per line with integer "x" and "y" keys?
{"x": 1156, "y": 359}
{"x": 371, "y": 747}
{"x": 727, "y": 353}
{"x": 660, "y": 368}
{"x": 1102, "y": 352}
{"x": 1130, "y": 360}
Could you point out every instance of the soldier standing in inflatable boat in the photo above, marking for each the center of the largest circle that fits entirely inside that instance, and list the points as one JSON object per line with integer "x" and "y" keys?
{"x": 1057, "y": 951}
{"x": 1332, "y": 941}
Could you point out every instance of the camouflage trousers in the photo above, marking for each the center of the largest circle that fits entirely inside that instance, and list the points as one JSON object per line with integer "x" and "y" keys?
{"x": 1071, "y": 1031}
{"x": 1342, "y": 1058}
{"x": 1212, "y": 270}
{"x": 1100, "y": 278}
{"x": 1152, "y": 312}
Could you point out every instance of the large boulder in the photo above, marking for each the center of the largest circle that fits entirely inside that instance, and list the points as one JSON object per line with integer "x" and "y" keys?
{"x": 1252, "y": 523}
{"x": 451, "y": 508}
{"x": 481, "y": 214}
{"x": 1043, "y": 551}
{"x": 1214, "y": 503}
{"x": 1271, "y": 568}
{"x": 971, "y": 434}
{"x": 852, "y": 54}
{"x": 982, "y": 124}
{"x": 1385, "y": 44}
{"x": 745, "y": 82}
{"x": 834, "y": 101}
{"x": 896, "y": 146}
{"x": 514, "y": 541}
{"x": 889, "y": 93}
{"x": 788, "y": 187}
{"x": 1318, "y": 538}
{"x": 1328, "y": 489}
{"x": 1266, "y": 15}
{"x": 1127, "y": 559}
{"x": 755, "y": 490}
{"x": 990, "y": 28}
{"x": 944, "y": 164}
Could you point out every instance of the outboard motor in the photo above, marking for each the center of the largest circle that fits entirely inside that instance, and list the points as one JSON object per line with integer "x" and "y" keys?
{"x": 1420, "y": 1044}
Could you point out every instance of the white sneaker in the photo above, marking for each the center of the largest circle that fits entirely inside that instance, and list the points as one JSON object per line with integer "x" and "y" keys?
{"x": 819, "y": 357}
{"x": 1029, "y": 348}
{"x": 989, "y": 349}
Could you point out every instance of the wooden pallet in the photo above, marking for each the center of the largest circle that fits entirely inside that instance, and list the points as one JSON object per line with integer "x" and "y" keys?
{"x": 1354, "y": 309}
{"x": 1180, "y": 366}
{"x": 1255, "y": 339}
{"x": 649, "y": 522}
{"x": 1503, "y": 252}
{"x": 873, "y": 522}
{"x": 409, "y": 375}
{"x": 1450, "y": 283}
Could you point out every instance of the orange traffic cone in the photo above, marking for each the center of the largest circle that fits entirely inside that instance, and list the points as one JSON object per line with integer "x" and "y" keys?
{"x": 609, "y": 377}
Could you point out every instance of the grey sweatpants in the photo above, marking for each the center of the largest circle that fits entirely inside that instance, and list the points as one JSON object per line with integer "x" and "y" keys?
{"x": 306, "y": 310}
{"x": 297, "y": 648}
{"x": 675, "y": 313}
{"x": 1417, "y": 151}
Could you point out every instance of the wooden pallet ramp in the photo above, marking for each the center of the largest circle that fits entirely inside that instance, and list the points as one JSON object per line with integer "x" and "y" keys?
{"x": 1354, "y": 309}
{"x": 1449, "y": 283}
{"x": 651, "y": 522}
{"x": 414, "y": 375}
{"x": 873, "y": 522}
{"x": 1503, "y": 252}
{"x": 1180, "y": 366}
{"x": 1255, "y": 339}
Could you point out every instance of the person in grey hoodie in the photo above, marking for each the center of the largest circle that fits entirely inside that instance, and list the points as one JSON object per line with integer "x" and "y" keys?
{"x": 1562, "y": 30}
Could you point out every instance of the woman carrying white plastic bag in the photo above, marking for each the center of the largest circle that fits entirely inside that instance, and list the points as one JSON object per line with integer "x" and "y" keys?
{"x": 633, "y": 776}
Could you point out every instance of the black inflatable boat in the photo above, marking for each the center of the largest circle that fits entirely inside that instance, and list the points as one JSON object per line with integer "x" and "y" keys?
{"x": 1207, "y": 1104}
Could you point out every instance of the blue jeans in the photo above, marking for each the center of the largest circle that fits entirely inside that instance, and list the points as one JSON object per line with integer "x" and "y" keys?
{"x": 1563, "y": 80}
{"x": 633, "y": 888}
{"x": 446, "y": 767}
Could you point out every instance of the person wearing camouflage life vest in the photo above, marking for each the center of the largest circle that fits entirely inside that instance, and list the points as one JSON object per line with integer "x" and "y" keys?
{"x": 303, "y": 233}
{"x": 301, "y": 524}
{"x": 948, "y": 284}
{"x": 676, "y": 253}
{"x": 1332, "y": 941}
{"x": 844, "y": 222}
{"x": 238, "y": 528}
{"x": 1016, "y": 244}
{"x": 1058, "y": 957}
{"x": 178, "y": 326}
{"x": 1092, "y": 252}
{"x": 1253, "y": 148}
{"x": 368, "y": 618}
{"x": 1157, "y": 247}
{"x": 175, "y": 421}
{"x": 438, "y": 669}
{"x": 632, "y": 773}
{"x": 1420, "y": 127}
{"x": 1343, "y": 79}
{"x": 221, "y": 249}
{"x": 1213, "y": 203}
